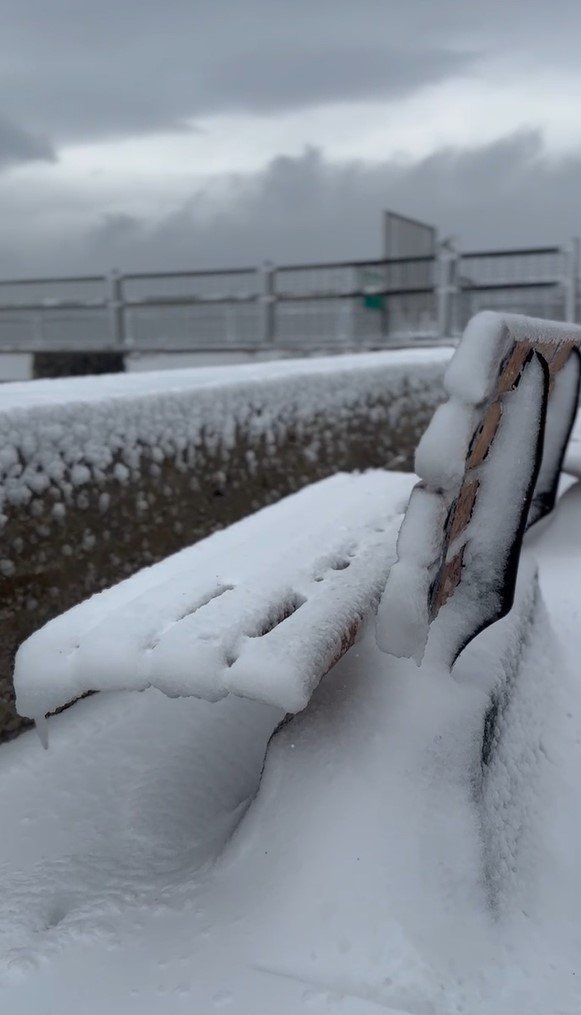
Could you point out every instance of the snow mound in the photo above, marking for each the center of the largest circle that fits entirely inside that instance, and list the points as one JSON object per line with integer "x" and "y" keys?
{"x": 261, "y": 609}
{"x": 413, "y": 845}
{"x": 359, "y": 878}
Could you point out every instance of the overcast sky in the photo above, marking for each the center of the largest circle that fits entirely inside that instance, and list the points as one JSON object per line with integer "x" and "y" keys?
{"x": 212, "y": 132}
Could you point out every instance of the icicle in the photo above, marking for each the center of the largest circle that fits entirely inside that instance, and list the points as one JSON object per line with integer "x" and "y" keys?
{"x": 41, "y": 727}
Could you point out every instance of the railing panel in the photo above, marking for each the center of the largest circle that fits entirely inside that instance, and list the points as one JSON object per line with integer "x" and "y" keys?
{"x": 305, "y": 307}
{"x": 533, "y": 300}
{"x": 194, "y": 326}
{"x": 241, "y": 283}
{"x": 522, "y": 267}
{"x": 48, "y": 292}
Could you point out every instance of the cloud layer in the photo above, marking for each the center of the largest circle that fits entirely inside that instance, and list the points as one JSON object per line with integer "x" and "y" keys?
{"x": 72, "y": 69}
{"x": 248, "y": 81}
{"x": 308, "y": 208}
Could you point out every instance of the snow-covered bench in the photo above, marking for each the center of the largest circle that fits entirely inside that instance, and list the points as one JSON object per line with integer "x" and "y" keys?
{"x": 265, "y": 608}
{"x": 261, "y": 609}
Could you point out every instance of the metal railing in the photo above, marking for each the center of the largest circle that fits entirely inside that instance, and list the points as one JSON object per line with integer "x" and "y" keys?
{"x": 297, "y": 307}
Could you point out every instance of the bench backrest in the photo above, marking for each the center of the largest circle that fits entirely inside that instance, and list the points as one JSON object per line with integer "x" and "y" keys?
{"x": 489, "y": 466}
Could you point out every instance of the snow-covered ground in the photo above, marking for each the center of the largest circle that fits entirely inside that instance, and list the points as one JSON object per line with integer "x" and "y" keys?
{"x": 376, "y": 870}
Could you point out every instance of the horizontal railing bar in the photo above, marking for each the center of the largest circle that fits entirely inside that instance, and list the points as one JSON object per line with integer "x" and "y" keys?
{"x": 61, "y": 280}
{"x": 478, "y": 287}
{"x": 517, "y": 252}
{"x": 205, "y": 273}
{"x": 381, "y": 262}
{"x": 352, "y": 294}
{"x": 189, "y": 301}
{"x": 55, "y": 305}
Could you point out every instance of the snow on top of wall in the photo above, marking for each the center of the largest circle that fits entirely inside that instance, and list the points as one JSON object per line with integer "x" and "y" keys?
{"x": 59, "y": 391}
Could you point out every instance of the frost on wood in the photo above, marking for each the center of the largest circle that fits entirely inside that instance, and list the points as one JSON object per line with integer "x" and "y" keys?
{"x": 261, "y": 609}
{"x": 513, "y": 386}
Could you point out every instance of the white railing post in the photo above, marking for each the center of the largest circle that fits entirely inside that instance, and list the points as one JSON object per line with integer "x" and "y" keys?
{"x": 268, "y": 299}
{"x": 571, "y": 280}
{"x": 117, "y": 309}
{"x": 446, "y": 262}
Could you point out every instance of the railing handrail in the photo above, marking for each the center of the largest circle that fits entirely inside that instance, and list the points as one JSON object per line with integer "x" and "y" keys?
{"x": 511, "y": 252}
{"x": 281, "y": 268}
{"x": 376, "y": 262}
{"x": 136, "y": 276}
{"x": 57, "y": 280}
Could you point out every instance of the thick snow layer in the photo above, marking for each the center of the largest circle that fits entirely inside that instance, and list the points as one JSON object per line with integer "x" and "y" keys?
{"x": 207, "y": 620}
{"x": 441, "y": 452}
{"x": 487, "y": 337}
{"x": 380, "y": 868}
{"x": 504, "y": 479}
{"x": 499, "y": 484}
{"x": 110, "y": 387}
{"x": 402, "y": 619}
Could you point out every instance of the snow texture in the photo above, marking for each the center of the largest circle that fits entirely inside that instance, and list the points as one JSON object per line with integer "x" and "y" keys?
{"x": 504, "y": 480}
{"x": 441, "y": 453}
{"x": 488, "y": 336}
{"x": 402, "y": 620}
{"x": 381, "y": 866}
{"x": 58, "y": 435}
{"x": 259, "y": 609}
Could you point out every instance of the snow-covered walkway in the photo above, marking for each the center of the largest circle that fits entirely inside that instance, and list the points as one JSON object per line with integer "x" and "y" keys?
{"x": 364, "y": 877}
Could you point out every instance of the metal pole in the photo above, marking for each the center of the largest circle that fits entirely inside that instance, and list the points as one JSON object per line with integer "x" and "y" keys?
{"x": 268, "y": 303}
{"x": 572, "y": 280}
{"x": 445, "y": 289}
{"x": 455, "y": 290}
{"x": 117, "y": 309}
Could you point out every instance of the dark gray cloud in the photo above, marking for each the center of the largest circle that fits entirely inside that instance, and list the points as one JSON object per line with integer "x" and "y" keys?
{"x": 306, "y": 76}
{"x": 308, "y": 208}
{"x": 78, "y": 70}
{"x": 81, "y": 103}
{"x": 17, "y": 145}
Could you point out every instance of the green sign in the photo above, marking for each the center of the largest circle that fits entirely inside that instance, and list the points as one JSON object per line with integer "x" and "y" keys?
{"x": 371, "y": 280}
